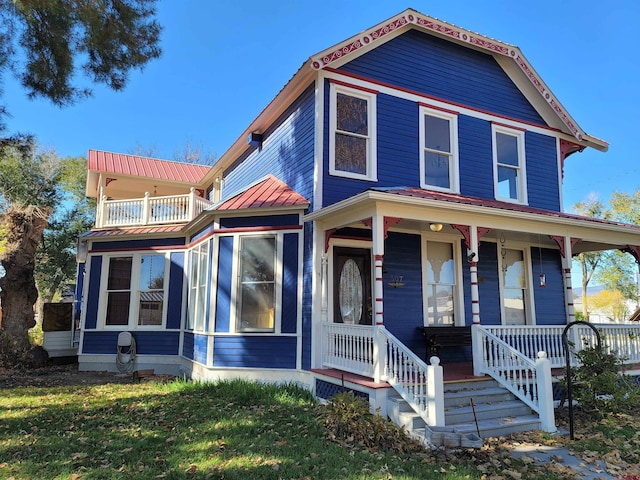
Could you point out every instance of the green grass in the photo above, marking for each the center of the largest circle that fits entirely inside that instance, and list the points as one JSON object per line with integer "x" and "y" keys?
{"x": 181, "y": 430}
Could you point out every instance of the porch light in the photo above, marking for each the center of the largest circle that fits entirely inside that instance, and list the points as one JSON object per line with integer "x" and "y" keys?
{"x": 435, "y": 227}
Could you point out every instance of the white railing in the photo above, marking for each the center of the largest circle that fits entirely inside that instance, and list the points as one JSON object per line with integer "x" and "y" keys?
{"x": 150, "y": 210}
{"x": 349, "y": 348}
{"x": 419, "y": 384}
{"x": 531, "y": 339}
{"x": 528, "y": 380}
{"x": 376, "y": 353}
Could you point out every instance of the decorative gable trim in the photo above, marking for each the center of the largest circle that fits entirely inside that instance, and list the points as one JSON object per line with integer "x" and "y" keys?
{"x": 410, "y": 17}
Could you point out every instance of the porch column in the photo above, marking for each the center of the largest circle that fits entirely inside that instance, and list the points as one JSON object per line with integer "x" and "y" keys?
{"x": 474, "y": 257}
{"x": 566, "y": 265}
{"x": 379, "y": 351}
{"x": 324, "y": 288}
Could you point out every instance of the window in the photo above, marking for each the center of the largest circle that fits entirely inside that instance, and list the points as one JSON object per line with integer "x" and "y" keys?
{"x": 257, "y": 286}
{"x": 509, "y": 171}
{"x": 439, "y": 152}
{"x": 440, "y": 284}
{"x": 135, "y": 294}
{"x": 352, "y": 139}
{"x": 198, "y": 287}
{"x": 515, "y": 286}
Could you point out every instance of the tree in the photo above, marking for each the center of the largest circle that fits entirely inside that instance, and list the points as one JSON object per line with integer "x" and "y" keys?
{"x": 589, "y": 261}
{"x": 46, "y": 44}
{"x": 611, "y": 303}
{"x": 27, "y": 197}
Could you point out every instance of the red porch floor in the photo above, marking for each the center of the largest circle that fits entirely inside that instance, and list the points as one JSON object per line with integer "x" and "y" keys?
{"x": 452, "y": 372}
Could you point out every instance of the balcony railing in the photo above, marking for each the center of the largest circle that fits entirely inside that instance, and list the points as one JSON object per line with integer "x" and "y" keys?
{"x": 150, "y": 210}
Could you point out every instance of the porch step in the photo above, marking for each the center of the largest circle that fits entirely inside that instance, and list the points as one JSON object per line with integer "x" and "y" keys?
{"x": 497, "y": 413}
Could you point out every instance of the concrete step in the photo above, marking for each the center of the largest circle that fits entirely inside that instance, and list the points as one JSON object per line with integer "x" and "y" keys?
{"x": 460, "y": 398}
{"x": 498, "y": 427}
{"x": 485, "y": 411}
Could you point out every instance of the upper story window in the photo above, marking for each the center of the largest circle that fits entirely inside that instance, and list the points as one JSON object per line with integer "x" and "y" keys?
{"x": 136, "y": 290}
{"x": 352, "y": 143}
{"x": 509, "y": 165}
{"x": 439, "y": 150}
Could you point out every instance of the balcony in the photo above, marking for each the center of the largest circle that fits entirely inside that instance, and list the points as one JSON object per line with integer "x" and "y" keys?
{"x": 149, "y": 210}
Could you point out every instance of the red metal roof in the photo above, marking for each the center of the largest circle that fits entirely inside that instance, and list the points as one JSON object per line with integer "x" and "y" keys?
{"x": 483, "y": 202}
{"x": 124, "y": 164}
{"x": 267, "y": 193}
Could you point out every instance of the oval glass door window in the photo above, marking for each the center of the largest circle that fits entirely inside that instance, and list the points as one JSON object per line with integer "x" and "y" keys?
{"x": 350, "y": 292}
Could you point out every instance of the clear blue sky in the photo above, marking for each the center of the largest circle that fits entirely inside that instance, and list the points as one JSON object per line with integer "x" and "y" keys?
{"x": 224, "y": 60}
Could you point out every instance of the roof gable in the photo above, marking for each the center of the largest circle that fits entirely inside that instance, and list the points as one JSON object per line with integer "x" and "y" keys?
{"x": 268, "y": 193}
{"x": 509, "y": 57}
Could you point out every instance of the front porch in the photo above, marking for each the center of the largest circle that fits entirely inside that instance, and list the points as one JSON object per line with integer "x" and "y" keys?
{"x": 514, "y": 358}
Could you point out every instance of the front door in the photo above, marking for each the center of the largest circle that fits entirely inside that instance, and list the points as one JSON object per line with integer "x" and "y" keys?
{"x": 352, "y": 286}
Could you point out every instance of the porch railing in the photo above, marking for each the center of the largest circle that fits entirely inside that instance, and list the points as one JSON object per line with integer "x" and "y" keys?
{"x": 150, "y": 210}
{"x": 531, "y": 339}
{"x": 376, "y": 353}
{"x": 528, "y": 379}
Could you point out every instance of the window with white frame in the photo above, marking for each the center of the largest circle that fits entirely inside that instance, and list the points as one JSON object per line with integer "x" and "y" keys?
{"x": 509, "y": 164}
{"x": 441, "y": 290}
{"x": 439, "y": 150}
{"x": 352, "y": 143}
{"x": 136, "y": 290}
{"x": 196, "y": 303}
{"x": 256, "y": 295}
{"x": 514, "y": 283}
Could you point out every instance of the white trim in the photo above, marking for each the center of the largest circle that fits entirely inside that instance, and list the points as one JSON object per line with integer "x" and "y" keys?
{"x": 454, "y": 175}
{"x": 521, "y": 170}
{"x": 371, "y": 160}
{"x": 439, "y": 103}
{"x": 560, "y": 174}
{"x": 318, "y": 152}
{"x": 134, "y": 289}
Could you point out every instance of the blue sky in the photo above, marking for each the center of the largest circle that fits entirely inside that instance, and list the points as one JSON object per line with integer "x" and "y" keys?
{"x": 223, "y": 61}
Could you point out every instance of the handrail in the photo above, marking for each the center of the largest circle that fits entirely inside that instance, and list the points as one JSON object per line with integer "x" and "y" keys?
{"x": 510, "y": 368}
{"x": 419, "y": 384}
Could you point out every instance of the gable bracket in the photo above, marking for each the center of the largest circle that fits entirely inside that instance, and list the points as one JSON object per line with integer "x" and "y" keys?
{"x": 634, "y": 250}
{"x": 559, "y": 239}
{"x": 465, "y": 230}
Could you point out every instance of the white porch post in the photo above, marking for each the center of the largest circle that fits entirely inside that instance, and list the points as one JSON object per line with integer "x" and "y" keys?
{"x": 145, "y": 209}
{"x": 473, "y": 256}
{"x": 379, "y": 351}
{"x": 324, "y": 287}
{"x": 545, "y": 393}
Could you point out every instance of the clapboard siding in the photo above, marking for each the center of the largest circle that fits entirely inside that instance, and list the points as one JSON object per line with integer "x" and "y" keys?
{"x": 403, "y": 306}
{"x": 307, "y": 294}
{"x": 549, "y": 301}
{"x": 200, "y": 348}
{"x": 174, "y": 296}
{"x": 488, "y": 286}
{"x": 543, "y": 184}
{"x": 147, "y": 343}
{"x": 255, "y": 352}
{"x": 187, "y": 345}
{"x": 437, "y": 67}
{"x": 138, "y": 244}
{"x": 261, "y": 221}
{"x": 290, "y": 284}
{"x": 93, "y": 293}
{"x": 287, "y": 152}
{"x": 475, "y": 157}
{"x": 223, "y": 295}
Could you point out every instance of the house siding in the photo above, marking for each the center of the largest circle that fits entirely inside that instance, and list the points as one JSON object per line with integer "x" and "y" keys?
{"x": 475, "y": 157}
{"x": 488, "y": 286}
{"x": 138, "y": 244}
{"x": 224, "y": 277}
{"x": 542, "y": 171}
{"x": 174, "y": 295}
{"x": 290, "y": 284}
{"x": 308, "y": 273}
{"x": 287, "y": 152}
{"x": 187, "y": 345}
{"x": 403, "y": 313}
{"x": 437, "y": 67}
{"x": 147, "y": 343}
{"x": 93, "y": 293}
{"x": 550, "y": 303}
{"x": 261, "y": 221}
{"x": 255, "y": 351}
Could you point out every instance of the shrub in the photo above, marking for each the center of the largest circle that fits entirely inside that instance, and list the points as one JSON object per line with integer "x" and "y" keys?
{"x": 349, "y": 422}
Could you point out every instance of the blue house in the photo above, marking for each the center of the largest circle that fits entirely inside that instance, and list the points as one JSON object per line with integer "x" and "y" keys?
{"x": 395, "y": 211}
